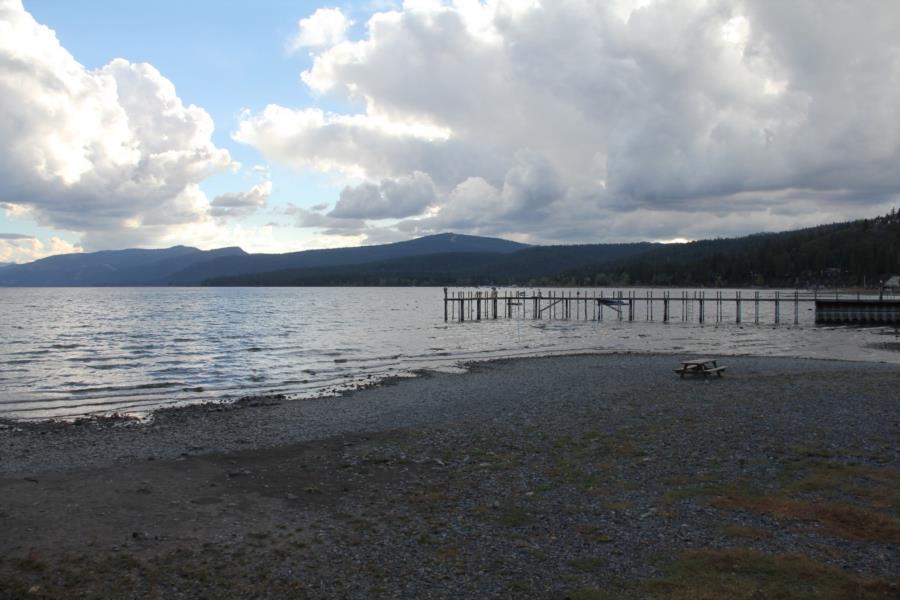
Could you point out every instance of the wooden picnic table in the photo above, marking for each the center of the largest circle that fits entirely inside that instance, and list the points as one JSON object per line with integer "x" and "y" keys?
{"x": 700, "y": 366}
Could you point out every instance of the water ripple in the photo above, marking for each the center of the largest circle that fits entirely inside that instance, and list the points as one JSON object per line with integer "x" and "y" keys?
{"x": 135, "y": 350}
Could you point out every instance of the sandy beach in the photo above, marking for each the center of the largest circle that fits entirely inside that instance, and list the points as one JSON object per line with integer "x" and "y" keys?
{"x": 593, "y": 476}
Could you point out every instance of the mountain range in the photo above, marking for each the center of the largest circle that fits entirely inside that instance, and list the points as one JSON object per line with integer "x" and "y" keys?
{"x": 454, "y": 268}
{"x": 183, "y": 265}
{"x": 859, "y": 252}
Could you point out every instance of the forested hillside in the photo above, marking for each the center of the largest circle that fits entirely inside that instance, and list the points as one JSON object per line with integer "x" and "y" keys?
{"x": 849, "y": 254}
{"x": 457, "y": 268}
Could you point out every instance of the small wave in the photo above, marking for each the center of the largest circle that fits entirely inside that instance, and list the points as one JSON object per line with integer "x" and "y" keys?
{"x": 30, "y": 353}
{"x": 65, "y": 346}
{"x": 119, "y": 388}
{"x": 254, "y": 349}
{"x": 94, "y": 390}
{"x": 151, "y": 386}
{"x": 171, "y": 371}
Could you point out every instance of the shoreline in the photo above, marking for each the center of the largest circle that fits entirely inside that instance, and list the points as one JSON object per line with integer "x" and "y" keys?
{"x": 458, "y": 368}
{"x": 875, "y": 344}
{"x": 542, "y": 477}
{"x": 116, "y": 440}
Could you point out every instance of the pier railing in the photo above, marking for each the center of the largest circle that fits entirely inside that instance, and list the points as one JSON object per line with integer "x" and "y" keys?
{"x": 699, "y": 306}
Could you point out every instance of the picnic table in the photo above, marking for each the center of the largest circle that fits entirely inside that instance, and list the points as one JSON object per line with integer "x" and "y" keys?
{"x": 700, "y": 366}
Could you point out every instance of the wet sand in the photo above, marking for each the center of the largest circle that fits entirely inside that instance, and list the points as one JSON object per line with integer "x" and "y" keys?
{"x": 550, "y": 477}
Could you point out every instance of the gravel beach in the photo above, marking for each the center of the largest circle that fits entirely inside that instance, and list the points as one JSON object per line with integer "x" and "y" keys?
{"x": 591, "y": 476}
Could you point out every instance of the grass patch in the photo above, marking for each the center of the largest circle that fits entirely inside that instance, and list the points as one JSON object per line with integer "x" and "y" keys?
{"x": 740, "y": 487}
{"x": 32, "y": 563}
{"x": 626, "y": 449}
{"x": 588, "y": 565}
{"x": 691, "y": 491}
{"x": 689, "y": 479}
{"x": 741, "y": 574}
{"x": 568, "y": 471}
{"x": 810, "y": 451}
{"x": 593, "y": 533}
{"x": 514, "y": 517}
{"x": 745, "y": 532}
{"x": 879, "y": 487}
{"x": 589, "y": 594}
{"x": 843, "y": 520}
{"x": 845, "y": 500}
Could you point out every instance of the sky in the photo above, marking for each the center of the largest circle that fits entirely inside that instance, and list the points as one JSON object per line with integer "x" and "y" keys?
{"x": 282, "y": 125}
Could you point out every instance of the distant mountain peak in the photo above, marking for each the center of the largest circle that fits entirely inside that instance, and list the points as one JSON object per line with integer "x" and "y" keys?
{"x": 472, "y": 243}
{"x": 133, "y": 266}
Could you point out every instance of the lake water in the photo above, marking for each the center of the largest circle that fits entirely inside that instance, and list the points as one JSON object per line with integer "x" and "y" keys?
{"x": 69, "y": 352}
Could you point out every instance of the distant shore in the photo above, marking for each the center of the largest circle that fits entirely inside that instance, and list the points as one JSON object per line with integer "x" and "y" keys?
{"x": 547, "y": 477}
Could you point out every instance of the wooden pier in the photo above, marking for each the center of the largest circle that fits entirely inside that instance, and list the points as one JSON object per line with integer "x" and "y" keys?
{"x": 700, "y": 306}
{"x": 858, "y": 312}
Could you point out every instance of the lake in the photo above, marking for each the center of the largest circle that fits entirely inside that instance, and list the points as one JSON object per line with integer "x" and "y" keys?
{"x": 71, "y": 352}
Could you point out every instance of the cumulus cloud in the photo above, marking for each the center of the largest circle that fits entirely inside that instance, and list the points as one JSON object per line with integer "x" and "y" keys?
{"x": 330, "y": 225}
{"x": 401, "y": 197}
{"x": 324, "y": 28}
{"x": 241, "y": 204}
{"x": 17, "y": 248}
{"x": 584, "y": 120}
{"x": 112, "y": 153}
{"x": 371, "y": 146}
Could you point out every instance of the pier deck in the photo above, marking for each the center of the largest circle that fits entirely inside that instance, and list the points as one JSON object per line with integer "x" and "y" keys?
{"x": 858, "y": 312}
{"x": 699, "y": 306}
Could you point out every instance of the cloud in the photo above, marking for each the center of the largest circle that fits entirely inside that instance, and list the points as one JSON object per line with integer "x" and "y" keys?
{"x": 112, "y": 153}
{"x": 577, "y": 120}
{"x": 332, "y": 226}
{"x": 365, "y": 145}
{"x": 241, "y": 204}
{"x": 17, "y": 248}
{"x": 261, "y": 171}
{"x": 324, "y": 28}
{"x": 14, "y": 210}
{"x": 392, "y": 198}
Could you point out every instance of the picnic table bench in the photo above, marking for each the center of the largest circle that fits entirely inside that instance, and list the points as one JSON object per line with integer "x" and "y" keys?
{"x": 700, "y": 366}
